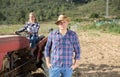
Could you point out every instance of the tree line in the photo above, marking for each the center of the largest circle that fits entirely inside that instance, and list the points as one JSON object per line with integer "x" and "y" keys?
{"x": 16, "y": 11}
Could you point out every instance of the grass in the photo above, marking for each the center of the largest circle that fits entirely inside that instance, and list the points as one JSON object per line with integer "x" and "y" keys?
{"x": 111, "y": 28}
{"x": 45, "y": 26}
{"x": 10, "y": 29}
{"x": 103, "y": 27}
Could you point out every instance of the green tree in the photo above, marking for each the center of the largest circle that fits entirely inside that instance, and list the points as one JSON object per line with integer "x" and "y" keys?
{"x": 2, "y": 17}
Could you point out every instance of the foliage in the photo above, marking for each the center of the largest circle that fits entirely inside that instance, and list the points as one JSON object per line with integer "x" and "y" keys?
{"x": 94, "y": 15}
{"x": 16, "y": 11}
{"x": 2, "y": 17}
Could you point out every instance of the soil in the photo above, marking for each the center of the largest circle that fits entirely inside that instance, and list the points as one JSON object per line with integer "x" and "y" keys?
{"x": 100, "y": 55}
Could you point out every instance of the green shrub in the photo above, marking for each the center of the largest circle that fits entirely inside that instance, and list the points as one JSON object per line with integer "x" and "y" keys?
{"x": 78, "y": 19}
{"x": 94, "y": 15}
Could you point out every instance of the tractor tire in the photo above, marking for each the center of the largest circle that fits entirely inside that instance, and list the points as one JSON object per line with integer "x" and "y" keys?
{"x": 5, "y": 67}
{"x": 44, "y": 67}
{"x": 42, "y": 64}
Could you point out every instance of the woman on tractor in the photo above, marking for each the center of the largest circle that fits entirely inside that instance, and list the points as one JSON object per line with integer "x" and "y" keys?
{"x": 31, "y": 28}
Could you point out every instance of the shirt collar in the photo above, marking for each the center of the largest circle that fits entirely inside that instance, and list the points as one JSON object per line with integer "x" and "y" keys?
{"x": 58, "y": 31}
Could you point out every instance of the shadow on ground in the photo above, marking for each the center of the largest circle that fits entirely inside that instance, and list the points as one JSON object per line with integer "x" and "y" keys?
{"x": 91, "y": 70}
{"x": 38, "y": 75}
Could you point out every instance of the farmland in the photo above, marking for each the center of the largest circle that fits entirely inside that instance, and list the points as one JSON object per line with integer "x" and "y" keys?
{"x": 100, "y": 51}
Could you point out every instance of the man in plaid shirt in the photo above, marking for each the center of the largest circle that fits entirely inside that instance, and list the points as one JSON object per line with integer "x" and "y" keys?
{"x": 59, "y": 50}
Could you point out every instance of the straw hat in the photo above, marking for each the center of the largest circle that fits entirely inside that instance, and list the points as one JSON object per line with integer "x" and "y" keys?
{"x": 62, "y": 18}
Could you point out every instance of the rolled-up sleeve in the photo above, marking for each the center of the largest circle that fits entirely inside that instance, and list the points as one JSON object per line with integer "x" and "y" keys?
{"x": 23, "y": 29}
{"x": 48, "y": 46}
{"x": 77, "y": 48}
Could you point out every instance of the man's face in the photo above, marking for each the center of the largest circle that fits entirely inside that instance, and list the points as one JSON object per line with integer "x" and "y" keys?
{"x": 63, "y": 25}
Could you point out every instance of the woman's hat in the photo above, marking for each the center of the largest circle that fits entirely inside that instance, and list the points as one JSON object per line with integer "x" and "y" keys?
{"x": 62, "y": 18}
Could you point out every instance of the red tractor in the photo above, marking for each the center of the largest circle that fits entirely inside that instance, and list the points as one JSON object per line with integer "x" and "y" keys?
{"x": 15, "y": 60}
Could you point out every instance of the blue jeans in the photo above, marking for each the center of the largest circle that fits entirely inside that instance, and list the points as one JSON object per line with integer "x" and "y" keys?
{"x": 60, "y": 72}
{"x": 33, "y": 41}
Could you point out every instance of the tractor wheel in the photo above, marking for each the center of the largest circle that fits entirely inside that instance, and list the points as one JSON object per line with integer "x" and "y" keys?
{"x": 6, "y": 67}
{"x": 44, "y": 67}
{"x": 42, "y": 64}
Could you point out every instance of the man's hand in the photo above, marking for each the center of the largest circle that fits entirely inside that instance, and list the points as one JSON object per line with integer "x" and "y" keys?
{"x": 48, "y": 62}
{"x": 75, "y": 65}
{"x": 48, "y": 65}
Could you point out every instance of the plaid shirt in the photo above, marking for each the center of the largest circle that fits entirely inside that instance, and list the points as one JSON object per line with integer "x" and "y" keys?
{"x": 62, "y": 48}
{"x": 31, "y": 27}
